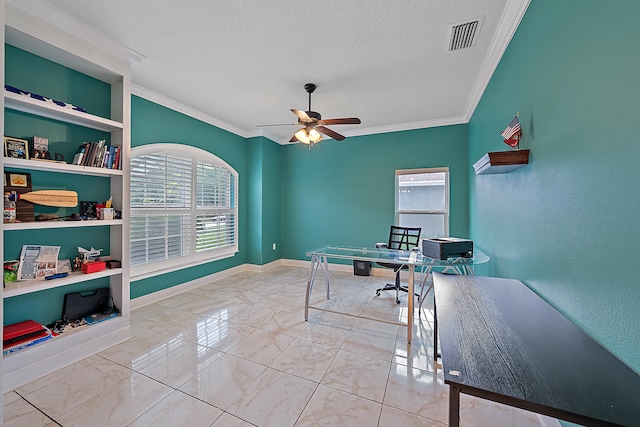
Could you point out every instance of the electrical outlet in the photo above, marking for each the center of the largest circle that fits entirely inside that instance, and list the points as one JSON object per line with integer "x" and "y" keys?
{"x": 274, "y": 246}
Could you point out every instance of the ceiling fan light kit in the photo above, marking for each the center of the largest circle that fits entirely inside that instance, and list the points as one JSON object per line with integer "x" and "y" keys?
{"x": 308, "y": 136}
{"x": 314, "y": 126}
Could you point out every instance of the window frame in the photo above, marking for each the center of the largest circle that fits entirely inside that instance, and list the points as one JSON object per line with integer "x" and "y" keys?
{"x": 446, "y": 212}
{"x": 195, "y": 257}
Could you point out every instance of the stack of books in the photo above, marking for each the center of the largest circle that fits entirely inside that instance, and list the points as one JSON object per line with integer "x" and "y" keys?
{"x": 22, "y": 335}
{"x": 98, "y": 154}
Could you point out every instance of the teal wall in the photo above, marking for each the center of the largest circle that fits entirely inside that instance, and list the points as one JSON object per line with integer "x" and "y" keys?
{"x": 263, "y": 200}
{"x": 272, "y": 201}
{"x": 153, "y": 123}
{"x": 254, "y": 200}
{"x": 567, "y": 224}
{"x": 342, "y": 193}
{"x": 24, "y": 71}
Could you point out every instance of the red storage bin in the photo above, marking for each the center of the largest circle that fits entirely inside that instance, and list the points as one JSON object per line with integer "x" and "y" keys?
{"x": 93, "y": 267}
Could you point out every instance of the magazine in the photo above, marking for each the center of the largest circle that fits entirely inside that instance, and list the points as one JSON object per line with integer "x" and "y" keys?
{"x": 37, "y": 262}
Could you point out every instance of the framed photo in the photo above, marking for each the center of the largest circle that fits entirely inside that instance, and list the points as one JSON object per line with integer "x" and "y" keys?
{"x": 64, "y": 266}
{"x": 88, "y": 210}
{"x": 18, "y": 180}
{"x": 40, "y": 148}
{"x": 16, "y": 148}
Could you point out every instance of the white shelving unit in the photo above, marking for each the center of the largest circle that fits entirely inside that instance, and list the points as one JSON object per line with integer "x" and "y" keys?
{"x": 29, "y": 286}
{"x": 56, "y": 112}
{"x": 34, "y": 26}
{"x": 60, "y": 167}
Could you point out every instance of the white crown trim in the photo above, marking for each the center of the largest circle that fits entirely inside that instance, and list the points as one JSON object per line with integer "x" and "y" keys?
{"x": 185, "y": 109}
{"x": 509, "y": 22}
{"x": 79, "y": 29}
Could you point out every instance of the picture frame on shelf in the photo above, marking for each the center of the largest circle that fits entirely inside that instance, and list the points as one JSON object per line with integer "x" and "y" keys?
{"x": 40, "y": 148}
{"x": 18, "y": 180}
{"x": 16, "y": 148}
{"x": 88, "y": 210}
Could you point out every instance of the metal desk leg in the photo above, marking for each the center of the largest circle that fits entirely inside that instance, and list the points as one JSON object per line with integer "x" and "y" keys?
{"x": 435, "y": 331}
{"x": 412, "y": 269}
{"x": 454, "y": 406}
{"x": 423, "y": 294}
{"x": 312, "y": 276}
{"x": 326, "y": 275}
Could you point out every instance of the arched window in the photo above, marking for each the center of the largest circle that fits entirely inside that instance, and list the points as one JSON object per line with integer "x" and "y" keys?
{"x": 184, "y": 208}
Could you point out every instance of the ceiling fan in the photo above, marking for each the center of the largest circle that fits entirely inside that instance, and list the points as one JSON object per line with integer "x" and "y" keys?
{"x": 314, "y": 125}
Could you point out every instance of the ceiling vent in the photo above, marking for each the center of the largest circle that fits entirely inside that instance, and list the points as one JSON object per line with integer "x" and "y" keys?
{"x": 463, "y": 35}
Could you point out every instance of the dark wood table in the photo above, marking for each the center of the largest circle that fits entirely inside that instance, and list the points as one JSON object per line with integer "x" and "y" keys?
{"x": 500, "y": 341}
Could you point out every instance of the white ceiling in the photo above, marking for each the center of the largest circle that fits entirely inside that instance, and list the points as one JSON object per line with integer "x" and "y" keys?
{"x": 245, "y": 62}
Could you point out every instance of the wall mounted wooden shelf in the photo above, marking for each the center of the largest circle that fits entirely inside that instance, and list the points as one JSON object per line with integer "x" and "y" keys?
{"x": 501, "y": 161}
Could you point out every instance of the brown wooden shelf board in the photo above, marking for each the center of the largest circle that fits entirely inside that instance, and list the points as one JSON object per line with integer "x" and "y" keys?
{"x": 501, "y": 161}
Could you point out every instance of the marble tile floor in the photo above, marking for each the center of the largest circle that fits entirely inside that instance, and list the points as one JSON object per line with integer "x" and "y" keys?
{"x": 237, "y": 352}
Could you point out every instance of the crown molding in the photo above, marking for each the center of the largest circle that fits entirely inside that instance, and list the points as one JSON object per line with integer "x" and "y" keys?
{"x": 447, "y": 121}
{"x": 157, "y": 98}
{"x": 267, "y": 135}
{"x": 55, "y": 17}
{"x": 509, "y": 22}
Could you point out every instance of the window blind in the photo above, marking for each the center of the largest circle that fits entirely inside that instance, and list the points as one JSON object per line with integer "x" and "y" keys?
{"x": 181, "y": 206}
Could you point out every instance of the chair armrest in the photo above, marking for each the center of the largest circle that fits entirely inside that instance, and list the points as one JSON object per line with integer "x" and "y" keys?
{"x": 381, "y": 245}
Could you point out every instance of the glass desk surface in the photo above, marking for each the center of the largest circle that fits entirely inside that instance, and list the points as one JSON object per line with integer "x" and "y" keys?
{"x": 394, "y": 256}
{"x": 414, "y": 260}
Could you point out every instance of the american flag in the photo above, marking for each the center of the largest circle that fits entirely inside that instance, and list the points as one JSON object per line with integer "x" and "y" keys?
{"x": 512, "y": 129}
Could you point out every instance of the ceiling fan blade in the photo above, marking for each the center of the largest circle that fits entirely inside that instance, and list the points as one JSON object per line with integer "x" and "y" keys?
{"x": 329, "y": 132}
{"x": 294, "y": 139}
{"x": 344, "y": 121}
{"x": 302, "y": 115}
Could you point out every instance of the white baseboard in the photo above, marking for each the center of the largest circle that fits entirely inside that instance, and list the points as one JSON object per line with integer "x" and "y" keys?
{"x": 32, "y": 363}
{"x": 548, "y": 421}
{"x": 187, "y": 286}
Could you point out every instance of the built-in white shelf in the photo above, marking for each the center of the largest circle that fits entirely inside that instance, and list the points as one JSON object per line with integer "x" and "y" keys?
{"x": 29, "y": 286}
{"x": 41, "y": 225}
{"x": 10, "y": 162}
{"x": 62, "y": 350}
{"x": 50, "y": 110}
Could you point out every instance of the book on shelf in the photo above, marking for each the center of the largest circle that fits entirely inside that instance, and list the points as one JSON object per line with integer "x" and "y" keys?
{"x": 22, "y": 335}
{"x": 98, "y": 154}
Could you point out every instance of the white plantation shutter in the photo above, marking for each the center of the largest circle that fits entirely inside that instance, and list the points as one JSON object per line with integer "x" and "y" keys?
{"x": 215, "y": 199}
{"x": 158, "y": 237}
{"x": 215, "y": 231}
{"x": 183, "y": 207}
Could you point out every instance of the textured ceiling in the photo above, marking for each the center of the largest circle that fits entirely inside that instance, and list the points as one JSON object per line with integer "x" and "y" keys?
{"x": 245, "y": 62}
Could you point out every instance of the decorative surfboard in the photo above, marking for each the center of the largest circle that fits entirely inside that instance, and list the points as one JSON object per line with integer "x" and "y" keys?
{"x": 60, "y": 198}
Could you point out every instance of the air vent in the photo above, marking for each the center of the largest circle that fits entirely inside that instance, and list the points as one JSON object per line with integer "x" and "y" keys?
{"x": 463, "y": 35}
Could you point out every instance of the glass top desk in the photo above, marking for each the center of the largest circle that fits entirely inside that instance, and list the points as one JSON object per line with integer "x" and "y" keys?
{"x": 411, "y": 259}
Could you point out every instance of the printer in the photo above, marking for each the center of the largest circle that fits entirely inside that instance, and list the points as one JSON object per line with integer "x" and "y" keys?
{"x": 447, "y": 247}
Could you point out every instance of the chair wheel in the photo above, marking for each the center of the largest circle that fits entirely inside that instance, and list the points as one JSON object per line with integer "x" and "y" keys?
{"x": 397, "y": 301}
{"x": 377, "y": 293}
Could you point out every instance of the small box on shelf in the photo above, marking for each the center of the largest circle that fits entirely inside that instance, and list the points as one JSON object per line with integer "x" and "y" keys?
{"x": 112, "y": 263}
{"x": 93, "y": 266}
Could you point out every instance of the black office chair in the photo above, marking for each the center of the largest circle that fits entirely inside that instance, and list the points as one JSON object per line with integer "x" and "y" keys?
{"x": 405, "y": 239}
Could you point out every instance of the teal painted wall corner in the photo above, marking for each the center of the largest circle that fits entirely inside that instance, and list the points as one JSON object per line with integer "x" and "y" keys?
{"x": 567, "y": 223}
{"x": 153, "y": 123}
{"x": 342, "y": 193}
